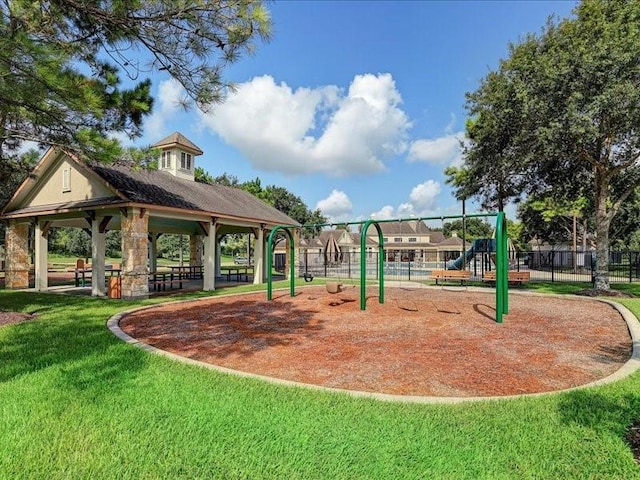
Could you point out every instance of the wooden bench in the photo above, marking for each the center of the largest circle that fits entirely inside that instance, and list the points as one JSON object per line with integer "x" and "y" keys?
{"x": 451, "y": 276}
{"x": 515, "y": 277}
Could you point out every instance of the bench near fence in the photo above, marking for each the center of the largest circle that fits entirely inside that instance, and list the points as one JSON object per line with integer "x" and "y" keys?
{"x": 450, "y": 276}
{"x": 514, "y": 276}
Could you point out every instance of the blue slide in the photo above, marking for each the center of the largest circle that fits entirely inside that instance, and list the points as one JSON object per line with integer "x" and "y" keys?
{"x": 479, "y": 245}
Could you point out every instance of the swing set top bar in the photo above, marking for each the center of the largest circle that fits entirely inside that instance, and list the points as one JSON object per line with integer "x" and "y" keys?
{"x": 409, "y": 219}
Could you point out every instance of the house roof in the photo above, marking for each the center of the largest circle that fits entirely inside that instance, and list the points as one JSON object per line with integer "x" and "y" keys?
{"x": 158, "y": 188}
{"x": 411, "y": 227}
{"x": 453, "y": 241}
{"x": 176, "y": 139}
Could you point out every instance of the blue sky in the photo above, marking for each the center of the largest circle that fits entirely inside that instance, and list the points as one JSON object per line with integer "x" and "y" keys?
{"x": 356, "y": 107}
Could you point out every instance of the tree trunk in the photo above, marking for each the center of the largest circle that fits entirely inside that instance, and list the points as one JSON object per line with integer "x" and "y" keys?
{"x": 603, "y": 221}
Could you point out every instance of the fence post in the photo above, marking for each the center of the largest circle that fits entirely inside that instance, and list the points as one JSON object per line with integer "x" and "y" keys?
{"x": 409, "y": 270}
{"x": 553, "y": 261}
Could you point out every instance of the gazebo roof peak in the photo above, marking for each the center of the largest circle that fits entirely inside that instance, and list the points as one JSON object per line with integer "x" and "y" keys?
{"x": 176, "y": 139}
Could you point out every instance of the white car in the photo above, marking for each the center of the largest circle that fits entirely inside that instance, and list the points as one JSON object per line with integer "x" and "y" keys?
{"x": 240, "y": 260}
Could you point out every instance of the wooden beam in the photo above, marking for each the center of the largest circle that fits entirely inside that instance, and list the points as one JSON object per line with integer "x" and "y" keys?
{"x": 92, "y": 215}
{"x": 204, "y": 227}
{"x": 103, "y": 224}
{"x": 123, "y": 212}
{"x": 142, "y": 210}
{"x": 45, "y": 228}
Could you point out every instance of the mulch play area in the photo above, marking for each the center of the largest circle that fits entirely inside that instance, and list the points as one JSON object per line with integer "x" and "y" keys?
{"x": 426, "y": 341}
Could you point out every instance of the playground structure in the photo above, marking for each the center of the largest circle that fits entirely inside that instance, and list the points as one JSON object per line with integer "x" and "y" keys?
{"x": 501, "y": 257}
{"x": 479, "y": 245}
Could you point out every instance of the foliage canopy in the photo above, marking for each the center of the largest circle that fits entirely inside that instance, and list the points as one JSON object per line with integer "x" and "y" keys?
{"x": 61, "y": 63}
{"x": 559, "y": 119}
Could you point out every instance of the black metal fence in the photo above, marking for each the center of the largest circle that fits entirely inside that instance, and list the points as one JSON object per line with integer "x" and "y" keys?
{"x": 543, "y": 265}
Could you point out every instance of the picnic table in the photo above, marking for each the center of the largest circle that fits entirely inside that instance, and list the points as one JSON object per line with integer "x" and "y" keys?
{"x": 187, "y": 271}
{"x": 238, "y": 270}
{"x": 82, "y": 273}
{"x": 160, "y": 280}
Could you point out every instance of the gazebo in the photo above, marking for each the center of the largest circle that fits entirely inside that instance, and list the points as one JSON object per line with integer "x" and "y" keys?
{"x": 66, "y": 191}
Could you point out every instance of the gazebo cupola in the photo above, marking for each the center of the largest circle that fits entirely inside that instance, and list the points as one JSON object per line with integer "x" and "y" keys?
{"x": 177, "y": 155}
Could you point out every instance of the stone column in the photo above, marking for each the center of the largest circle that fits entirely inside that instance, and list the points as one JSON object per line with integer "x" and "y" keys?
{"x": 196, "y": 250}
{"x": 17, "y": 255}
{"x": 209, "y": 282}
{"x": 296, "y": 253}
{"x": 258, "y": 257}
{"x": 41, "y": 251}
{"x": 135, "y": 239}
{"x": 98, "y": 288}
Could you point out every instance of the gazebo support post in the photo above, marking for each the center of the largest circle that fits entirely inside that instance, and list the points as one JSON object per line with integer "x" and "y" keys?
{"x": 41, "y": 244}
{"x": 210, "y": 250}
{"x": 258, "y": 256}
{"x": 135, "y": 239}
{"x": 98, "y": 288}
{"x": 17, "y": 255}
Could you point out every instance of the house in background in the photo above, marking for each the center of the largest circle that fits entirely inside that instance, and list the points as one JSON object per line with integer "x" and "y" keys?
{"x": 66, "y": 191}
{"x": 403, "y": 242}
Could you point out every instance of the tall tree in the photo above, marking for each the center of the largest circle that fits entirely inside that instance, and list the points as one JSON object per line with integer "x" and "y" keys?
{"x": 61, "y": 62}
{"x": 278, "y": 197}
{"x": 474, "y": 227}
{"x": 577, "y": 110}
{"x": 492, "y": 171}
{"x": 548, "y": 221}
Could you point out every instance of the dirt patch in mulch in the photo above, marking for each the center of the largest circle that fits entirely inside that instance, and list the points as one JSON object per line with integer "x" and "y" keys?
{"x": 599, "y": 292}
{"x": 9, "y": 318}
{"x": 632, "y": 437}
{"x": 432, "y": 342}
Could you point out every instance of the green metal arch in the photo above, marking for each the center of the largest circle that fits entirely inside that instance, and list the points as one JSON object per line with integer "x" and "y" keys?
{"x": 502, "y": 267}
{"x": 292, "y": 272}
{"x": 363, "y": 263}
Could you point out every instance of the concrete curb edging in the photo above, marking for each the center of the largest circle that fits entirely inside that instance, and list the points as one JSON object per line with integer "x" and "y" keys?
{"x": 631, "y": 366}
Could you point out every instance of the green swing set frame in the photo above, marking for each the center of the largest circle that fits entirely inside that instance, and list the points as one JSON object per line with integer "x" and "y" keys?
{"x": 502, "y": 264}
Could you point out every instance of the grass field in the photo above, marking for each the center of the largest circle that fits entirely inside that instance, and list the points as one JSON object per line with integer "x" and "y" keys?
{"x": 75, "y": 403}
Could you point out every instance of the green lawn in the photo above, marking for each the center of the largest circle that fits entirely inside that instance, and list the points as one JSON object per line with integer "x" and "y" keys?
{"x": 75, "y": 403}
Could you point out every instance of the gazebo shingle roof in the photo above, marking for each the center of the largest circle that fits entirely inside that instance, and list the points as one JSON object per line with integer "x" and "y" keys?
{"x": 162, "y": 189}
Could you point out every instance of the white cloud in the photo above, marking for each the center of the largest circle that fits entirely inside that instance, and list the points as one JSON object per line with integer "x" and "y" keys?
{"x": 423, "y": 201}
{"x": 336, "y": 207}
{"x": 444, "y": 150}
{"x": 314, "y": 130}
{"x": 424, "y": 196}
{"x": 171, "y": 98}
{"x": 385, "y": 213}
{"x": 452, "y": 123}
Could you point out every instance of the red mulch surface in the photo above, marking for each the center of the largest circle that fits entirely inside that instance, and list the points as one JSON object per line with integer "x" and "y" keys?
{"x": 432, "y": 342}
